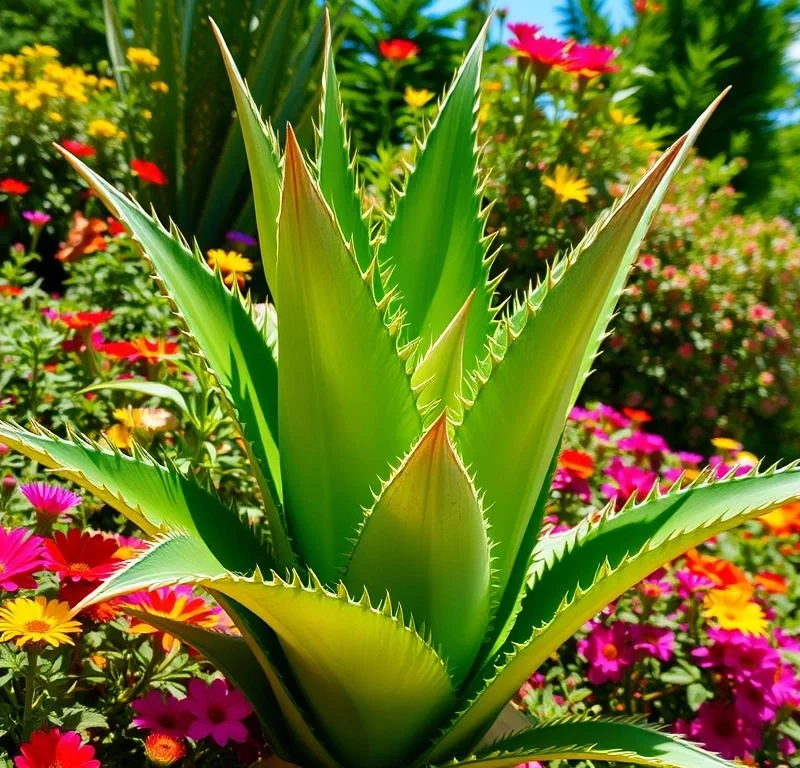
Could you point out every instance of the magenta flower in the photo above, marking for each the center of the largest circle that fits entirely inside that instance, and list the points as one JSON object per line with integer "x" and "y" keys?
{"x": 611, "y": 417}
{"x": 162, "y": 714}
{"x": 21, "y": 555}
{"x": 653, "y": 641}
{"x": 568, "y": 482}
{"x": 643, "y": 444}
{"x": 37, "y": 218}
{"x": 50, "y": 499}
{"x": 609, "y": 652}
{"x": 685, "y": 457}
{"x": 689, "y": 584}
{"x": 628, "y": 480}
{"x": 752, "y": 704}
{"x": 219, "y": 711}
{"x": 785, "y": 689}
{"x": 720, "y": 728}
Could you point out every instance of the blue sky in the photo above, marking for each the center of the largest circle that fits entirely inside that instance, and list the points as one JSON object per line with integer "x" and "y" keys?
{"x": 542, "y": 12}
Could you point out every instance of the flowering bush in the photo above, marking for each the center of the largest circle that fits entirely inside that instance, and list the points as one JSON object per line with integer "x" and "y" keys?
{"x": 702, "y": 645}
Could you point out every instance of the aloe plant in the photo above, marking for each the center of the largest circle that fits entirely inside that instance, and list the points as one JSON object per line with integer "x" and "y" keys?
{"x": 403, "y": 434}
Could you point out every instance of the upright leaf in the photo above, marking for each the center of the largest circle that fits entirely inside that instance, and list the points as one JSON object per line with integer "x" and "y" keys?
{"x": 526, "y": 392}
{"x": 224, "y": 330}
{"x": 425, "y": 543}
{"x": 346, "y": 407}
{"x": 434, "y": 242}
{"x": 336, "y": 170}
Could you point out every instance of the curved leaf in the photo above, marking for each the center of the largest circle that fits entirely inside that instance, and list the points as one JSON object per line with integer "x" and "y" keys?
{"x": 617, "y": 741}
{"x": 434, "y": 243}
{"x": 144, "y": 387}
{"x": 346, "y": 406}
{"x": 595, "y": 564}
{"x": 152, "y": 496}
{"x": 530, "y": 377}
{"x": 225, "y": 333}
{"x": 425, "y": 541}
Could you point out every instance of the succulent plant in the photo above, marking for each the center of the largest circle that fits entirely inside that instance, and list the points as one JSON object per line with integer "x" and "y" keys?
{"x": 403, "y": 434}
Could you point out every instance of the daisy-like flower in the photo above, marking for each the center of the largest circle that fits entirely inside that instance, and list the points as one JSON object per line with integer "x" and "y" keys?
{"x": 142, "y": 423}
{"x": 177, "y": 603}
{"x": 721, "y": 573}
{"x": 48, "y": 499}
{"x": 783, "y": 521}
{"x": 232, "y": 265}
{"x": 37, "y": 621}
{"x": 151, "y": 351}
{"x": 162, "y": 713}
{"x": 218, "y": 710}
{"x": 417, "y": 98}
{"x": 72, "y": 592}
{"x": 85, "y": 321}
{"x": 732, "y": 608}
{"x": 37, "y": 219}
{"x": 53, "y": 749}
{"x": 142, "y": 57}
{"x": 544, "y": 52}
{"x": 590, "y": 60}
{"x": 81, "y": 555}
{"x": 21, "y": 555}
{"x": 163, "y": 750}
{"x": 609, "y": 651}
{"x": 149, "y": 172}
{"x": 567, "y": 184}
{"x": 398, "y": 49}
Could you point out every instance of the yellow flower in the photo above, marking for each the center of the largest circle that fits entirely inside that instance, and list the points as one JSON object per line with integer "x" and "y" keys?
{"x": 233, "y": 265}
{"x": 55, "y": 117}
{"x": 746, "y": 458}
{"x": 726, "y": 444}
{"x": 40, "y": 620}
{"x": 102, "y": 129}
{"x": 620, "y": 118}
{"x": 39, "y": 51}
{"x": 493, "y": 86}
{"x": 160, "y": 86}
{"x": 29, "y": 99}
{"x": 143, "y": 57}
{"x": 567, "y": 184}
{"x": 147, "y": 114}
{"x": 144, "y": 422}
{"x": 732, "y": 608}
{"x": 417, "y": 98}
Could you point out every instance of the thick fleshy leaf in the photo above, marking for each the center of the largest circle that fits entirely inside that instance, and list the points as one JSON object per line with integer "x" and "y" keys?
{"x": 224, "y": 330}
{"x": 262, "y": 157}
{"x": 336, "y": 170}
{"x": 616, "y": 741}
{"x": 434, "y": 243}
{"x": 594, "y": 564}
{"x": 346, "y": 405}
{"x": 425, "y": 543}
{"x": 524, "y": 393}
{"x": 154, "y": 497}
{"x": 438, "y": 378}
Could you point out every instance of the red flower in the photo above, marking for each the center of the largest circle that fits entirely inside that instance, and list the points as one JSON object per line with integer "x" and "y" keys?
{"x": 590, "y": 60}
{"x": 148, "y": 172}
{"x": 13, "y": 186}
{"x": 577, "y": 463}
{"x": 78, "y": 148}
{"x": 637, "y": 415}
{"x": 81, "y": 555}
{"x": 114, "y": 227}
{"x": 140, "y": 349}
{"x": 73, "y": 592}
{"x": 10, "y": 290}
{"x": 544, "y": 51}
{"x": 398, "y": 49}
{"x": 84, "y": 321}
{"x": 53, "y": 748}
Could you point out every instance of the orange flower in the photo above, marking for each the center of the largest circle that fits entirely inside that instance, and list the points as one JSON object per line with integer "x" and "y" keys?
{"x": 639, "y": 416}
{"x": 151, "y": 351}
{"x": 577, "y": 463}
{"x": 85, "y": 321}
{"x": 721, "y": 572}
{"x": 10, "y": 290}
{"x": 85, "y": 237}
{"x": 772, "y": 583}
{"x": 398, "y": 50}
{"x": 783, "y": 521}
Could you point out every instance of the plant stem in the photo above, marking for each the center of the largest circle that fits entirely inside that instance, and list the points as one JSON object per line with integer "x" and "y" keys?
{"x": 30, "y": 685}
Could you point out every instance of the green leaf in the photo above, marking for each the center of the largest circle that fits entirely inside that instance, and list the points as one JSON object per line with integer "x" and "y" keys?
{"x": 262, "y": 156}
{"x": 617, "y": 741}
{"x": 154, "y": 497}
{"x": 593, "y": 564}
{"x": 336, "y": 171}
{"x": 541, "y": 356}
{"x": 373, "y": 683}
{"x": 434, "y": 243}
{"x": 143, "y": 387}
{"x": 346, "y": 405}
{"x": 438, "y": 379}
{"x": 116, "y": 44}
{"x": 224, "y": 331}
{"x": 425, "y": 542}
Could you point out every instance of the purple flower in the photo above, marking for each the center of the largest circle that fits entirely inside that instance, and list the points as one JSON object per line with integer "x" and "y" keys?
{"x": 628, "y": 480}
{"x": 49, "y": 499}
{"x": 653, "y": 641}
{"x": 609, "y": 652}
{"x": 219, "y": 711}
{"x": 752, "y": 704}
{"x": 37, "y": 218}
{"x": 785, "y": 689}
{"x": 689, "y": 584}
{"x": 163, "y": 714}
{"x": 242, "y": 238}
{"x": 720, "y": 728}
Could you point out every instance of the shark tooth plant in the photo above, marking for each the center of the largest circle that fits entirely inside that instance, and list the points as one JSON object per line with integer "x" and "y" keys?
{"x": 403, "y": 433}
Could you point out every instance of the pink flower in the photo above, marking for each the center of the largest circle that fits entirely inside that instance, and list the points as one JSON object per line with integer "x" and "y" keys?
{"x": 689, "y": 584}
{"x": 21, "y": 555}
{"x": 545, "y": 51}
{"x": 642, "y": 444}
{"x": 219, "y": 711}
{"x": 162, "y": 714}
{"x": 720, "y": 728}
{"x": 53, "y": 749}
{"x": 590, "y": 60}
{"x": 50, "y": 499}
{"x": 37, "y": 218}
{"x": 628, "y": 480}
{"x": 653, "y": 641}
{"x": 609, "y": 652}
{"x": 568, "y": 482}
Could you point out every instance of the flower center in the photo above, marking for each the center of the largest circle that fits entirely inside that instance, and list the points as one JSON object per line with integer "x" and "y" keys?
{"x": 79, "y": 567}
{"x": 37, "y": 625}
{"x": 216, "y": 715}
{"x": 55, "y": 764}
{"x": 610, "y": 652}
{"x": 2, "y": 566}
